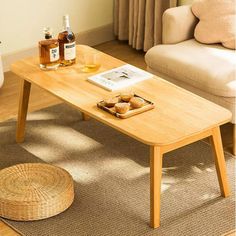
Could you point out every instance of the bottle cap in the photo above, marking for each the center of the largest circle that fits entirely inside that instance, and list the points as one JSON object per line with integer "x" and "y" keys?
{"x": 47, "y": 32}
{"x": 66, "y": 23}
{"x": 66, "y": 17}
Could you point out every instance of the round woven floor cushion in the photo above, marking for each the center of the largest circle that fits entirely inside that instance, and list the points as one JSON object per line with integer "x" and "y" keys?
{"x": 34, "y": 191}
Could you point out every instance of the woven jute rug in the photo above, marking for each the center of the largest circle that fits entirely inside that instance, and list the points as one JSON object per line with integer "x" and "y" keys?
{"x": 111, "y": 174}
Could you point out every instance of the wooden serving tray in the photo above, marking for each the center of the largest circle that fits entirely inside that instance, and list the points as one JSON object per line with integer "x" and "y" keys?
{"x": 133, "y": 111}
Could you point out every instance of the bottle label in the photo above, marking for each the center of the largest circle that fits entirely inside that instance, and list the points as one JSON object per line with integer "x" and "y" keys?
{"x": 54, "y": 54}
{"x": 69, "y": 51}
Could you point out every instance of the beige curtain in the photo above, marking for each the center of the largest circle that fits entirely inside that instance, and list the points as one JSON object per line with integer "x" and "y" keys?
{"x": 140, "y": 21}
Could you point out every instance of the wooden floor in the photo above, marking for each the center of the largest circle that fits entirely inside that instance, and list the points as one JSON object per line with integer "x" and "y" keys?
{"x": 39, "y": 99}
{"x": 5, "y": 230}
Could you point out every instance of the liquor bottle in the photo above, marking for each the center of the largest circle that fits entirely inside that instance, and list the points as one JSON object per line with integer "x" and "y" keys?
{"x": 49, "y": 51}
{"x": 67, "y": 47}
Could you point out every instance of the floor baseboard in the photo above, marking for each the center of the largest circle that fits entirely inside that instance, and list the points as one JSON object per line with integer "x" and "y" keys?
{"x": 90, "y": 37}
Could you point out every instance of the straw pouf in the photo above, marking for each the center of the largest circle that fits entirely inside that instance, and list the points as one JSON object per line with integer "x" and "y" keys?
{"x": 34, "y": 191}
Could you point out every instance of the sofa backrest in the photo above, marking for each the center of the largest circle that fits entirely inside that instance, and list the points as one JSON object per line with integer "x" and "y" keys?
{"x": 178, "y": 25}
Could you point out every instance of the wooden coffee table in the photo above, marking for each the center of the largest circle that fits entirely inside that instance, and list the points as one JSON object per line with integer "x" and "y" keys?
{"x": 179, "y": 118}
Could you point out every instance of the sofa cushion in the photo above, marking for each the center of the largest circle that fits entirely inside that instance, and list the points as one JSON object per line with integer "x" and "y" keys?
{"x": 217, "y": 21}
{"x": 211, "y": 68}
{"x": 226, "y": 102}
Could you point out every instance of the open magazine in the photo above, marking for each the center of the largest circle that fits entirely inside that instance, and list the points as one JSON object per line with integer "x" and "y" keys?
{"x": 119, "y": 77}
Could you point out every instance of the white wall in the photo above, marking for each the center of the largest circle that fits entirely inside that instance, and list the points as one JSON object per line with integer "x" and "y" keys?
{"x": 22, "y": 21}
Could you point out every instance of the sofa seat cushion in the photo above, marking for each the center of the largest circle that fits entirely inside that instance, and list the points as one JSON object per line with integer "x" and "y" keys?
{"x": 211, "y": 68}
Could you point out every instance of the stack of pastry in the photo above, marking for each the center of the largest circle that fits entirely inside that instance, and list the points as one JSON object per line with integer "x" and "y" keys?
{"x": 123, "y": 103}
{"x": 136, "y": 102}
{"x": 111, "y": 102}
{"x": 126, "y": 96}
{"x": 122, "y": 107}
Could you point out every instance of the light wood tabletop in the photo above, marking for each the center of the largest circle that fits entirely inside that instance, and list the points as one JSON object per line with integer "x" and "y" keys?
{"x": 179, "y": 117}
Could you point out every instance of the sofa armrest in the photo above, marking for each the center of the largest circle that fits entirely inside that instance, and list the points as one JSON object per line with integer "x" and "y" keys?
{"x": 178, "y": 24}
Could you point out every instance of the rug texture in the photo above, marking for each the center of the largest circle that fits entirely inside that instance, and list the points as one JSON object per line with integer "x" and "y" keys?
{"x": 111, "y": 175}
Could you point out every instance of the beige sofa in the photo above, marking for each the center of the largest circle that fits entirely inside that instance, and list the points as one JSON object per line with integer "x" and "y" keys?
{"x": 207, "y": 70}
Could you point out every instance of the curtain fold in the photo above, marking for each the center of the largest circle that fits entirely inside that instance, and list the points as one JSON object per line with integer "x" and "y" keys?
{"x": 140, "y": 21}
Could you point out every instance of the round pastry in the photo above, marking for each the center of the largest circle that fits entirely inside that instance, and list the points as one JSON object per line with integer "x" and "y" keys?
{"x": 126, "y": 96}
{"x": 122, "y": 107}
{"x": 136, "y": 102}
{"x": 110, "y": 102}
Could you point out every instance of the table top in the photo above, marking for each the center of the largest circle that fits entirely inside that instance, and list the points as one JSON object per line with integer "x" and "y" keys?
{"x": 178, "y": 114}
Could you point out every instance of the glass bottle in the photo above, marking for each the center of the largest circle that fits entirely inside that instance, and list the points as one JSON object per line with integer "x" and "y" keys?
{"x": 49, "y": 51}
{"x": 67, "y": 47}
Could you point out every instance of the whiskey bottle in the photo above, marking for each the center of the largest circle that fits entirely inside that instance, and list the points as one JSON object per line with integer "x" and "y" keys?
{"x": 67, "y": 47}
{"x": 49, "y": 51}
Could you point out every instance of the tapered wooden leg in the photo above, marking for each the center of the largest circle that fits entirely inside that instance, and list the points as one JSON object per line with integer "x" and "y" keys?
{"x": 220, "y": 162}
{"x": 155, "y": 185}
{"x": 85, "y": 117}
{"x": 22, "y": 111}
{"x": 234, "y": 139}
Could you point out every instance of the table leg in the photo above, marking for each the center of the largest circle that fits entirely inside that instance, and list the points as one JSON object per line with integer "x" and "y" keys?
{"x": 155, "y": 185}
{"x": 22, "y": 111}
{"x": 85, "y": 117}
{"x": 220, "y": 162}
